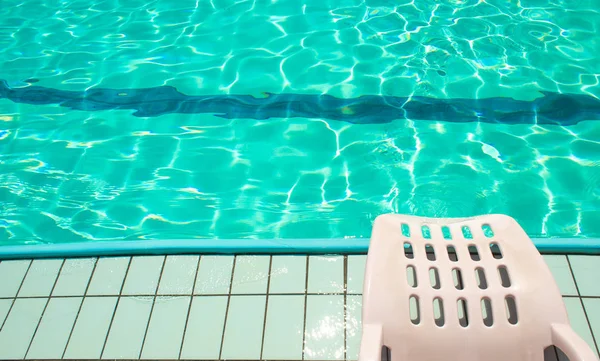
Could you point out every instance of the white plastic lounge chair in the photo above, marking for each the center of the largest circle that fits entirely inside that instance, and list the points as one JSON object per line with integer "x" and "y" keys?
{"x": 461, "y": 289}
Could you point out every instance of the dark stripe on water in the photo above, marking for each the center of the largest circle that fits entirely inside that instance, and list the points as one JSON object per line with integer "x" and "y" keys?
{"x": 551, "y": 108}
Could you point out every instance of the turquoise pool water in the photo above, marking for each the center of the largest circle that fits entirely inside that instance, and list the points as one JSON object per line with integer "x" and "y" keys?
{"x": 205, "y": 119}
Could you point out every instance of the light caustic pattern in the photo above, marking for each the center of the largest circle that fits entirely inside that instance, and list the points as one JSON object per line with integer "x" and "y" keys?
{"x": 69, "y": 175}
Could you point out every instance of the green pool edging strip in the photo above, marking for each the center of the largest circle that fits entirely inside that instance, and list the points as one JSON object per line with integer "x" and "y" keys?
{"x": 246, "y": 246}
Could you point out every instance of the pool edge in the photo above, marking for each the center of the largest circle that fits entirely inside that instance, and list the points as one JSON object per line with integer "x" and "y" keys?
{"x": 246, "y": 246}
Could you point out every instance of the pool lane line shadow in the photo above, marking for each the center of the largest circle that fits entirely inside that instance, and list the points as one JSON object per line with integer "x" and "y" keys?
{"x": 549, "y": 109}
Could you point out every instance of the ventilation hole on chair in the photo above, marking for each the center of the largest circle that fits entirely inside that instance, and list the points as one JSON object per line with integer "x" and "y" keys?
{"x": 426, "y": 232}
{"x": 487, "y": 231}
{"x": 457, "y": 277}
{"x": 552, "y": 353}
{"x": 408, "y": 250}
{"x": 480, "y": 277}
{"x": 496, "y": 251}
{"x": 415, "y": 312}
{"x": 474, "y": 253}
{"x": 557, "y": 354}
{"x": 466, "y": 231}
{"x": 463, "y": 317}
{"x": 504, "y": 278}
{"x": 511, "y": 310}
{"x": 561, "y": 355}
{"x": 486, "y": 312}
{"x": 438, "y": 311}
{"x": 434, "y": 278}
{"x": 430, "y": 252}
{"x": 452, "y": 255}
{"x": 386, "y": 354}
{"x": 446, "y": 232}
{"x": 411, "y": 276}
{"x": 405, "y": 230}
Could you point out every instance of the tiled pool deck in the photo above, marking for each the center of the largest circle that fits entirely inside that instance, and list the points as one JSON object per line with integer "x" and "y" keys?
{"x": 214, "y": 307}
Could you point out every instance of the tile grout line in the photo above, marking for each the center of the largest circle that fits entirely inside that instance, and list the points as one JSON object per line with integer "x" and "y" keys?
{"x": 236, "y": 294}
{"x": 305, "y": 306}
{"x": 345, "y": 307}
{"x": 80, "y": 306}
{"x": 152, "y": 307}
{"x": 187, "y": 318}
{"x": 262, "y": 342}
{"x": 16, "y": 294}
{"x": 573, "y": 275}
{"x": 45, "y": 307}
{"x": 227, "y": 307}
{"x": 112, "y": 319}
{"x": 583, "y": 306}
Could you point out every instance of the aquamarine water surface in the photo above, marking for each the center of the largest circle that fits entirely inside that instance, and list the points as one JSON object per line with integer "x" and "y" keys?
{"x": 70, "y": 175}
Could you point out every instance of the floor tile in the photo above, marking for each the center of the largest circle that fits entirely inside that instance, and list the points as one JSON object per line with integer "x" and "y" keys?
{"x": 165, "y": 331}
{"x": 284, "y": 328}
{"x": 91, "y": 328}
{"x": 205, "y": 328}
{"x": 11, "y": 276}
{"x": 562, "y": 274}
{"x": 19, "y": 327}
{"x": 128, "y": 328}
{"x": 326, "y": 274}
{"x": 41, "y": 278}
{"x": 578, "y": 319}
{"x": 324, "y": 334}
{"x": 592, "y": 309}
{"x": 178, "y": 275}
{"x": 356, "y": 273}
{"x": 53, "y": 332}
{"x": 288, "y": 274}
{"x": 586, "y": 270}
{"x": 353, "y": 326}
{"x": 142, "y": 276}
{"x": 243, "y": 329}
{"x": 251, "y": 275}
{"x": 74, "y": 277}
{"x": 5, "y": 305}
{"x": 108, "y": 276}
{"x": 214, "y": 275}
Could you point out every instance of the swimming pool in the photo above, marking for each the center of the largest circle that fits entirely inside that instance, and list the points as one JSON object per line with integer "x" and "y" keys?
{"x": 285, "y": 119}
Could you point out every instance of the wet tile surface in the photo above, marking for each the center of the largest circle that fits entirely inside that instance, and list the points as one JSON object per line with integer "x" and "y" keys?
{"x": 264, "y": 313}
{"x": 288, "y": 274}
{"x": 586, "y": 270}
{"x": 19, "y": 327}
{"x": 12, "y": 274}
{"x": 128, "y": 328}
{"x": 284, "y": 328}
{"x": 55, "y": 327}
{"x": 74, "y": 277}
{"x": 91, "y": 328}
{"x": 178, "y": 275}
{"x": 165, "y": 330}
{"x": 108, "y": 276}
{"x": 244, "y": 328}
{"x": 143, "y": 275}
{"x": 326, "y": 274}
{"x": 40, "y": 278}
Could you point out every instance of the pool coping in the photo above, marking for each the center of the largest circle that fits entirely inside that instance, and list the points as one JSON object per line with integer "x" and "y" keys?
{"x": 313, "y": 246}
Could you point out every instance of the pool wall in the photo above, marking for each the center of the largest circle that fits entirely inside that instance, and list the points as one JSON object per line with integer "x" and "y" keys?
{"x": 248, "y": 246}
